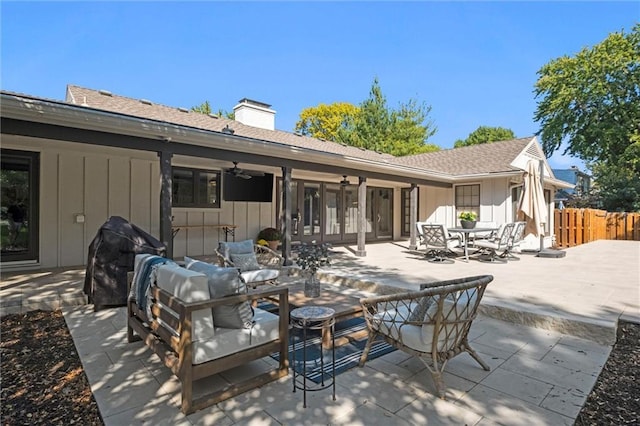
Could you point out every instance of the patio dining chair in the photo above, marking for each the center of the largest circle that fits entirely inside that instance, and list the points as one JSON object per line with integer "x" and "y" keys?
{"x": 498, "y": 249}
{"x": 432, "y": 323}
{"x": 516, "y": 238}
{"x": 438, "y": 242}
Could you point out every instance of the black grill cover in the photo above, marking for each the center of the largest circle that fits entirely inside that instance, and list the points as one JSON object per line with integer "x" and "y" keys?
{"x": 111, "y": 255}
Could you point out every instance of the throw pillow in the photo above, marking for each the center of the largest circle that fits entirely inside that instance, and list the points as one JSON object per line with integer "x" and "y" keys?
{"x": 245, "y": 261}
{"x": 226, "y": 248}
{"x": 420, "y": 310}
{"x": 225, "y": 282}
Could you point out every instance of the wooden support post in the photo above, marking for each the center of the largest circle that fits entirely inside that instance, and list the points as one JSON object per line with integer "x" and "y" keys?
{"x": 166, "y": 236}
{"x": 285, "y": 216}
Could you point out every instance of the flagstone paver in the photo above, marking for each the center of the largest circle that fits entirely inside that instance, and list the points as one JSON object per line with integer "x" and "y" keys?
{"x": 540, "y": 375}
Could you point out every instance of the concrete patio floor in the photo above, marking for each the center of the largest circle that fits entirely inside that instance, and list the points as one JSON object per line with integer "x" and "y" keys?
{"x": 539, "y": 375}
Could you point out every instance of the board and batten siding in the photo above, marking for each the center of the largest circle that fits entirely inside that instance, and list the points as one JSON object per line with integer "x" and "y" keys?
{"x": 100, "y": 182}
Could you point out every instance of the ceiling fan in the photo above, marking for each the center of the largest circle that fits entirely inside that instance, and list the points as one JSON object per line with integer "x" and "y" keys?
{"x": 344, "y": 181}
{"x": 243, "y": 174}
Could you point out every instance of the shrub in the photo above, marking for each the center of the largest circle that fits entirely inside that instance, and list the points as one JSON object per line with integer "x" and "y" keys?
{"x": 270, "y": 234}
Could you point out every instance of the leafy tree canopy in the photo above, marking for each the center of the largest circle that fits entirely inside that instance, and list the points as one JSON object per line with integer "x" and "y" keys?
{"x": 372, "y": 124}
{"x": 205, "y": 108}
{"x": 591, "y": 102}
{"x": 324, "y": 121}
{"x": 485, "y": 134}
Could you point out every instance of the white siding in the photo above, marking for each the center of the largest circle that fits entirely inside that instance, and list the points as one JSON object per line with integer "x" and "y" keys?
{"x": 100, "y": 182}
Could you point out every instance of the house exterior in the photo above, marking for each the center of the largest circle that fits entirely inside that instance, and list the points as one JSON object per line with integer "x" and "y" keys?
{"x": 187, "y": 177}
{"x": 581, "y": 184}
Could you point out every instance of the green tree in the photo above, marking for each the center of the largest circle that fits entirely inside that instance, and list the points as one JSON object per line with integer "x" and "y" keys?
{"x": 205, "y": 108}
{"x": 404, "y": 131}
{"x": 324, "y": 121}
{"x": 590, "y": 102}
{"x": 485, "y": 134}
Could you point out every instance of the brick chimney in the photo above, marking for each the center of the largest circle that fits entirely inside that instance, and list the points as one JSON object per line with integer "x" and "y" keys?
{"x": 256, "y": 114}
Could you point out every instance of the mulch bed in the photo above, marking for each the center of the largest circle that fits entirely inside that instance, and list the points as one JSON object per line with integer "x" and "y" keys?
{"x": 43, "y": 382}
{"x": 615, "y": 398}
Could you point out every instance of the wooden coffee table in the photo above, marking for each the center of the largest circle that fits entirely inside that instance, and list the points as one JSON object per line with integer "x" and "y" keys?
{"x": 345, "y": 305}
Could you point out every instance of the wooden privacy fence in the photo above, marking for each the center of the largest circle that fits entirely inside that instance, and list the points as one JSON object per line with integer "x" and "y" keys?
{"x": 579, "y": 226}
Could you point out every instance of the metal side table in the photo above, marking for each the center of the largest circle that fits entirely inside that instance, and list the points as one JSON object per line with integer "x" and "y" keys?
{"x": 304, "y": 320}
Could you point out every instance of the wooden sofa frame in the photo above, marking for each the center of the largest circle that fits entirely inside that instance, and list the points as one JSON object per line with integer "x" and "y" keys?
{"x": 176, "y": 351}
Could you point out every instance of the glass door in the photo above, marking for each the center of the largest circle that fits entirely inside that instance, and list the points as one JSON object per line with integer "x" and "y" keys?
{"x": 333, "y": 212}
{"x": 19, "y": 179}
{"x": 384, "y": 201}
{"x": 379, "y": 213}
{"x": 310, "y": 215}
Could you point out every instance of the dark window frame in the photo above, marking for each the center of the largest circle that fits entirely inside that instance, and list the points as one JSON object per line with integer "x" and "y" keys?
{"x": 467, "y": 203}
{"x": 196, "y": 180}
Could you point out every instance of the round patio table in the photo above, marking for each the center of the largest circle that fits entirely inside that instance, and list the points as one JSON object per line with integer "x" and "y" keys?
{"x": 465, "y": 236}
{"x": 305, "y": 319}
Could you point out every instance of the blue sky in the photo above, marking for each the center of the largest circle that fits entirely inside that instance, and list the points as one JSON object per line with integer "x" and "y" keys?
{"x": 475, "y": 63}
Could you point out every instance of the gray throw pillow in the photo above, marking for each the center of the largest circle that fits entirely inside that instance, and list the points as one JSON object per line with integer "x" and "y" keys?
{"x": 227, "y": 249}
{"x": 245, "y": 261}
{"x": 419, "y": 312}
{"x": 225, "y": 282}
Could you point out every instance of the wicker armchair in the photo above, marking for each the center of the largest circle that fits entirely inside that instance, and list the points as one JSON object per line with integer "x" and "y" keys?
{"x": 432, "y": 323}
{"x": 264, "y": 270}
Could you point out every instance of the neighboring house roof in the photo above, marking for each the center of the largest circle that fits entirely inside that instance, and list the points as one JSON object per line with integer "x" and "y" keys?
{"x": 495, "y": 157}
{"x": 104, "y": 100}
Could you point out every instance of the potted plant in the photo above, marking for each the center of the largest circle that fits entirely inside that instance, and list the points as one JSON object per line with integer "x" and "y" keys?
{"x": 272, "y": 236}
{"x": 468, "y": 219}
{"x": 312, "y": 257}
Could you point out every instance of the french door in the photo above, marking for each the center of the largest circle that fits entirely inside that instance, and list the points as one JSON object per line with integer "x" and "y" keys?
{"x": 328, "y": 212}
{"x": 19, "y": 177}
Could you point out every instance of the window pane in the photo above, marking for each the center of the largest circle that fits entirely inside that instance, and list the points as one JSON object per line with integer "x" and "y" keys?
{"x": 208, "y": 188}
{"x": 183, "y": 186}
{"x": 467, "y": 198}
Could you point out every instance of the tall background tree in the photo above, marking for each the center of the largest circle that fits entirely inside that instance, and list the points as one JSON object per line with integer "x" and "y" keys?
{"x": 485, "y": 134}
{"x": 205, "y": 108}
{"x": 324, "y": 121}
{"x": 372, "y": 124}
{"x": 591, "y": 102}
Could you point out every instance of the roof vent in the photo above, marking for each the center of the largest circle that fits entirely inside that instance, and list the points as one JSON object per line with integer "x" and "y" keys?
{"x": 145, "y": 101}
{"x": 228, "y": 130}
{"x": 183, "y": 109}
{"x": 214, "y": 115}
{"x": 105, "y": 92}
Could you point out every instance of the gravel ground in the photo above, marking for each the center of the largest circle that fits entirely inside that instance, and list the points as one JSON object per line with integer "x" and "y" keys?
{"x": 43, "y": 382}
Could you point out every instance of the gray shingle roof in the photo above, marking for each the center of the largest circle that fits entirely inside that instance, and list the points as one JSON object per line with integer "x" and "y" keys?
{"x": 478, "y": 159}
{"x": 100, "y": 99}
{"x": 494, "y": 157}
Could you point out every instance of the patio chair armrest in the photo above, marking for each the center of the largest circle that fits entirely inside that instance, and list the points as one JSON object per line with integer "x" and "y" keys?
{"x": 222, "y": 261}
{"x": 267, "y": 257}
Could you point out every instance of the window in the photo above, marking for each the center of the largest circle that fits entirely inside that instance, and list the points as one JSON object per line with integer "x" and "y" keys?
{"x": 20, "y": 212}
{"x": 405, "y": 205}
{"x": 468, "y": 199}
{"x": 195, "y": 188}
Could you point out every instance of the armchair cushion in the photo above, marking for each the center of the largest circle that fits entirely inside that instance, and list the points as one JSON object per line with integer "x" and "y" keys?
{"x": 189, "y": 286}
{"x": 260, "y": 275}
{"x": 229, "y": 248}
{"x": 245, "y": 261}
{"x": 225, "y": 282}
